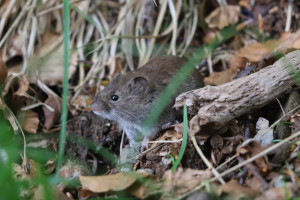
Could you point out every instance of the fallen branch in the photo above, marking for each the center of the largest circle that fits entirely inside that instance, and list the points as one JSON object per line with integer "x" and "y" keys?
{"x": 217, "y": 105}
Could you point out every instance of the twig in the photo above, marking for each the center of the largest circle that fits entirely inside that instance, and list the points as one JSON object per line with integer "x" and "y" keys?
{"x": 148, "y": 150}
{"x": 280, "y": 107}
{"x": 289, "y": 16}
{"x": 214, "y": 171}
{"x": 155, "y": 3}
{"x": 225, "y": 163}
{"x": 164, "y": 142}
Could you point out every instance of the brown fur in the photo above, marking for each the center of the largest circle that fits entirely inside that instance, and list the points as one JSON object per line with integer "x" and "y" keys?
{"x": 138, "y": 92}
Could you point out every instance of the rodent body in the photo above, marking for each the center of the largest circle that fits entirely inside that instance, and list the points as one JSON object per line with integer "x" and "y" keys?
{"x": 129, "y": 98}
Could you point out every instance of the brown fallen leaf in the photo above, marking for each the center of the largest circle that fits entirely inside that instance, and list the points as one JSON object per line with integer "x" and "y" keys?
{"x": 237, "y": 191}
{"x": 220, "y": 18}
{"x": 280, "y": 193}
{"x": 170, "y": 135}
{"x": 251, "y": 53}
{"x": 250, "y": 149}
{"x": 20, "y": 98}
{"x": 254, "y": 53}
{"x": 148, "y": 188}
{"x": 218, "y": 78}
{"x": 51, "y": 116}
{"x": 84, "y": 194}
{"x": 3, "y": 71}
{"x": 51, "y": 107}
{"x": 30, "y": 122}
{"x": 116, "y": 182}
{"x": 183, "y": 180}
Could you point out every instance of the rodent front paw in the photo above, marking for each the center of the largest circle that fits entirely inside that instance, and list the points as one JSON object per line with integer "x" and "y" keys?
{"x": 145, "y": 144}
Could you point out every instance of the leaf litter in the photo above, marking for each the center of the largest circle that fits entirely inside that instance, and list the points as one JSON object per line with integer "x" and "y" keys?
{"x": 117, "y": 36}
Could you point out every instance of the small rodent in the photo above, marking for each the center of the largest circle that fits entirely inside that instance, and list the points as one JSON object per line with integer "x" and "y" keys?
{"x": 129, "y": 97}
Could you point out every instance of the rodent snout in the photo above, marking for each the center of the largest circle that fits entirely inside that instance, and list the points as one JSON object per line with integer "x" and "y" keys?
{"x": 95, "y": 108}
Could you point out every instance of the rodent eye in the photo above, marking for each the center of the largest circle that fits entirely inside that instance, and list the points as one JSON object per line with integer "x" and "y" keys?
{"x": 114, "y": 97}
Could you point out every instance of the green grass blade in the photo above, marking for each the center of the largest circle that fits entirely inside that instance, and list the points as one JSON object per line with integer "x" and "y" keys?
{"x": 62, "y": 138}
{"x": 184, "y": 139}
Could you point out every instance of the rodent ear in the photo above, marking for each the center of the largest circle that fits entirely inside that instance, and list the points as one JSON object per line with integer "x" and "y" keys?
{"x": 138, "y": 85}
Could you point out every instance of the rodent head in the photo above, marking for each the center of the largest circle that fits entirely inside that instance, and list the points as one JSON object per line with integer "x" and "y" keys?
{"x": 126, "y": 98}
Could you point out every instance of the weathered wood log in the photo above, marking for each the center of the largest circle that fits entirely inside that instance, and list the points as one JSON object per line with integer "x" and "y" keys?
{"x": 217, "y": 105}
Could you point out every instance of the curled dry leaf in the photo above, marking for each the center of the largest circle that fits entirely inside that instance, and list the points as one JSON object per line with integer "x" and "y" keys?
{"x": 220, "y": 18}
{"x": 30, "y": 122}
{"x": 3, "y": 71}
{"x": 183, "y": 180}
{"x": 250, "y": 149}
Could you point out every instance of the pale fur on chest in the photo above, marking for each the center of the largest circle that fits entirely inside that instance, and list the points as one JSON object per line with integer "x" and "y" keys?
{"x": 134, "y": 129}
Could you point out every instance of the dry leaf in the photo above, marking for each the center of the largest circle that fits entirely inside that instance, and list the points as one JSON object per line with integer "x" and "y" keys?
{"x": 142, "y": 191}
{"x": 280, "y": 193}
{"x": 218, "y": 78}
{"x": 183, "y": 181}
{"x": 100, "y": 184}
{"x": 220, "y": 18}
{"x": 83, "y": 102}
{"x": 236, "y": 191}
{"x": 84, "y": 194}
{"x": 20, "y": 98}
{"x": 251, "y": 53}
{"x": 30, "y": 121}
{"x": 52, "y": 116}
{"x": 3, "y": 71}
{"x": 254, "y": 53}
{"x": 250, "y": 149}
{"x": 48, "y": 62}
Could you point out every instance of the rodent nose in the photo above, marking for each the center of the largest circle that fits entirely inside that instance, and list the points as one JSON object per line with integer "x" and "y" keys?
{"x": 94, "y": 107}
